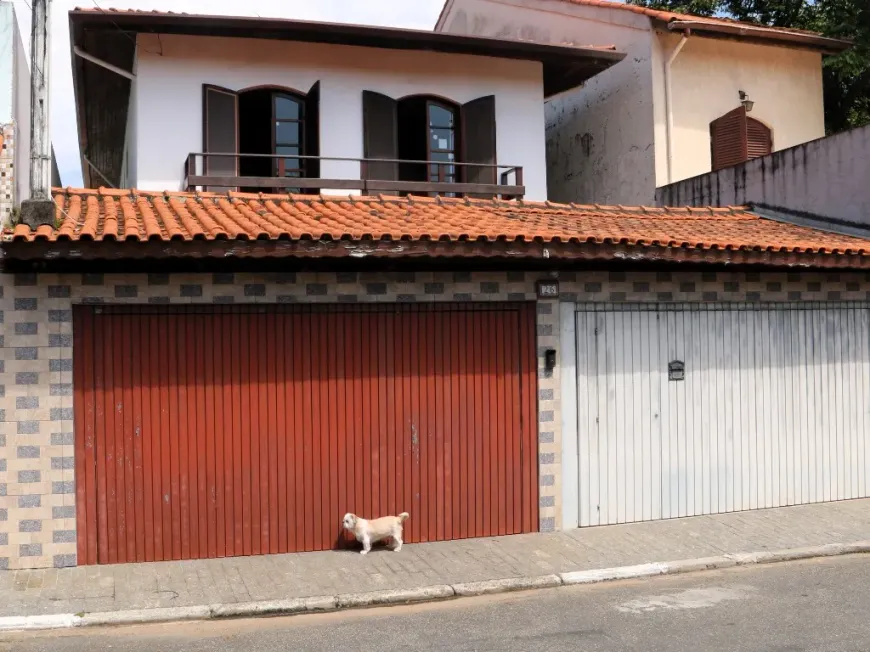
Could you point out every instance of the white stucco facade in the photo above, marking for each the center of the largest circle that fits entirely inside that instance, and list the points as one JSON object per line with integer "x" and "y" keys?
{"x": 165, "y": 123}
{"x": 707, "y": 76}
{"x": 607, "y": 142}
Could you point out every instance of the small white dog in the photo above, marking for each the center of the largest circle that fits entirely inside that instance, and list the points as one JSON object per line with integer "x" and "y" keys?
{"x": 369, "y": 532}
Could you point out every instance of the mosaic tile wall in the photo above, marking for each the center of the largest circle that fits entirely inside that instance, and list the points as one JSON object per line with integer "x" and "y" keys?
{"x": 37, "y": 483}
{"x": 7, "y": 176}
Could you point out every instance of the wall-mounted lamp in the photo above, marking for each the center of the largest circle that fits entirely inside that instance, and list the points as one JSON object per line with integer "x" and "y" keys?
{"x": 745, "y": 101}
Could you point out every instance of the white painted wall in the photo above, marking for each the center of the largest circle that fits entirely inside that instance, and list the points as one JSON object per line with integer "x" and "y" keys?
{"x": 129, "y": 178}
{"x": 600, "y": 146}
{"x": 784, "y": 83}
{"x": 170, "y": 74}
{"x": 21, "y": 103}
{"x": 7, "y": 45}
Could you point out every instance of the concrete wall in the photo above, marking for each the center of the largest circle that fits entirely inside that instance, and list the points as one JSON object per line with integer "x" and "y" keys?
{"x": 826, "y": 177}
{"x": 7, "y": 47}
{"x": 169, "y": 97}
{"x": 707, "y": 75}
{"x": 37, "y": 477}
{"x": 21, "y": 99}
{"x": 600, "y": 138}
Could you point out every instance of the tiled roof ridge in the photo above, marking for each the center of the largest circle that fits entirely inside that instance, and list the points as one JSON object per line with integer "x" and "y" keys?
{"x": 166, "y": 195}
{"x": 148, "y": 216}
{"x": 667, "y": 16}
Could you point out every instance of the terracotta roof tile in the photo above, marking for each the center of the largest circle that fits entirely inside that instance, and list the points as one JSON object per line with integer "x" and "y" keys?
{"x": 667, "y": 16}
{"x": 139, "y": 216}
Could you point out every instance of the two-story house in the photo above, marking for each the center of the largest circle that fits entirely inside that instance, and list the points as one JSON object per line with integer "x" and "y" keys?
{"x": 693, "y": 94}
{"x": 315, "y": 271}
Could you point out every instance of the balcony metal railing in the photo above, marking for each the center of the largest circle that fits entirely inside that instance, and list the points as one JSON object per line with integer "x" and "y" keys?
{"x": 220, "y": 172}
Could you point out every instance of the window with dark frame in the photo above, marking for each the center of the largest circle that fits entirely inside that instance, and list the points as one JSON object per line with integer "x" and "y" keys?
{"x": 437, "y": 132}
{"x": 288, "y": 136}
{"x": 442, "y": 142}
{"x": 281, "y": 124}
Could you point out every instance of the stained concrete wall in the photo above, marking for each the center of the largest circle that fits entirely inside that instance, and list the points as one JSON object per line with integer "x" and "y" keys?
{"x": 827, "y": 177}
{"x": 600, "y": 138}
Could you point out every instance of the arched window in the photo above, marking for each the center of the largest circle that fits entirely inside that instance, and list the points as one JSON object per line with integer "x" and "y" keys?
{"x": 736, "y": 138}
{"x": 288, "y": 133}
{"x": 443, "y": 122}
{"x": 262, "y": 120}
{"x": 431, "y": 129}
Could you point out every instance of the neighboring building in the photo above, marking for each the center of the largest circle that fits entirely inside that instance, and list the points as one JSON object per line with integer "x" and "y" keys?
{"x": 14, "y": 117}
{"x": 196, "y": 374}
{"x": 674, "y": 107}
{"x": 14, "y": 114}
{"x": 824, "y": 180}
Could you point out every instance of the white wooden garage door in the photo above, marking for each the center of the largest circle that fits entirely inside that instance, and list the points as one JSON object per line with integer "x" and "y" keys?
{"x": 773, "y": 409}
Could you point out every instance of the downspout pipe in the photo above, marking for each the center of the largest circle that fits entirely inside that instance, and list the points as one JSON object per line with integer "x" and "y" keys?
{"x": 669, "y": 106}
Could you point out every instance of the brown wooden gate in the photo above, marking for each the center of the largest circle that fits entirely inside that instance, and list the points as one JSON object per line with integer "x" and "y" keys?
{"x": 220, "y": 431}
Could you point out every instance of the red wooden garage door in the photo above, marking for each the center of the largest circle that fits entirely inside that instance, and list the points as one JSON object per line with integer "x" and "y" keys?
{"x": 219, "y": 431}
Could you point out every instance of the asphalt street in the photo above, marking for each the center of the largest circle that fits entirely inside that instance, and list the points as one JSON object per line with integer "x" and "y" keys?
{"x": 818, "y": 605}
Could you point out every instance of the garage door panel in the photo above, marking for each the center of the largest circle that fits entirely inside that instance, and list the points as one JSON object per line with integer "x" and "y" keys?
{"x": 213, "y": 432}
{"x": 772, "y": 411}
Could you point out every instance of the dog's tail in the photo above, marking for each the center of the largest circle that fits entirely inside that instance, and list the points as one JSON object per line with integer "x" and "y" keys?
{"x": 404, "y": 516}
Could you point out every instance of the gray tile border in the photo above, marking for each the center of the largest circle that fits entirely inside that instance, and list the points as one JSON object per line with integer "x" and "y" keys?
{"x": 64, "y": 561}
{"x": 66, "y": 487}
{"x": 26, "y": 328}
{"x": 61, "y": 414}
{"x": 60, "y": 340}
{"x": 191, "y": 290}
{"x": 29, "y": 500}
{"x": 63, "y": 536}
{"x": 27, "y": 452}
{"x": 26, "y": 304}
{"x": 62, "y": 463}
{"x": 62, "y": 439}
{"x": 27, "y": 378}
{"x": 28, "y": 427}
{"x": 26, "y": 402}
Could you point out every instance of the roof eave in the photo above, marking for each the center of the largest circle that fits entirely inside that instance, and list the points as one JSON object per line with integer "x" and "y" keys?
{"x": 45, "y": 253}
{"x": 823, "y": 44}
{"x": 574, "y": 64}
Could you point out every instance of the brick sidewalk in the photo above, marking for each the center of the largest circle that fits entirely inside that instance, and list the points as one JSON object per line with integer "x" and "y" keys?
{"x": 246, "y": 579}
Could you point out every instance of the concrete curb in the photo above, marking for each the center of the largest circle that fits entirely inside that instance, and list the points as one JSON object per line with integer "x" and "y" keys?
{"x": 422, "y": 594}
{"x": 509, "y": 584}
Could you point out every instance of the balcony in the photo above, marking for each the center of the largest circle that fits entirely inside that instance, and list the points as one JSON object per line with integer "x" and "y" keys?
{"x": 302, "y": 174}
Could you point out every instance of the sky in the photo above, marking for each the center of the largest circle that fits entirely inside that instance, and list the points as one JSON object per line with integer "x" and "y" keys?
{"x": 414, "y": 14}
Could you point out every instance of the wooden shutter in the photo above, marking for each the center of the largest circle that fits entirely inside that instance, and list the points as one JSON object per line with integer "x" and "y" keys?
{"x": 758, "y": 138}
{"x": 220, "y": 129}
{"x": 728, "y": 139}
{"x": 478, "y": 139}
{"x": 380, "y": 136}
{"x": 311, "y": 140}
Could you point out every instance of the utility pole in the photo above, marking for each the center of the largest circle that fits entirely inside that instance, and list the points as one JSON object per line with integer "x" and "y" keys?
{"x": 39, "y": 208}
